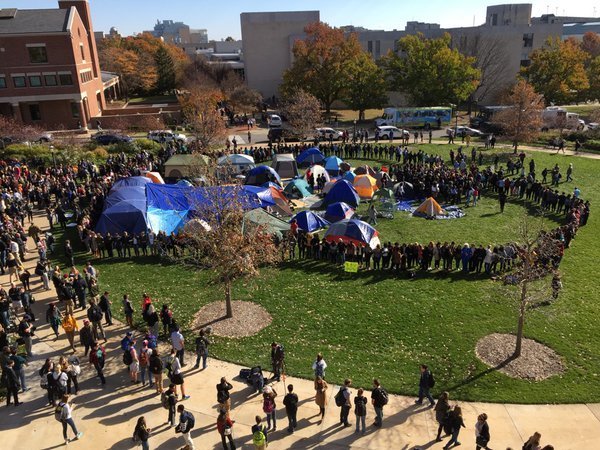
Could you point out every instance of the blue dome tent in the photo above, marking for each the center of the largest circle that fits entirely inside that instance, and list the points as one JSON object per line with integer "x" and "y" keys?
{"x": 342, "y": 191}
{"x": 261, "y": 175}
{"x": 309, "y": 221}
{"x": 310, "y": 156}
{"x": 332, "y": 165}
{"x": 339, "y": 211}
{"x": 297, "y": 188}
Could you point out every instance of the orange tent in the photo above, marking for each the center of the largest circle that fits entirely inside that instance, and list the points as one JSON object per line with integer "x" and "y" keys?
{"x": 155, "y": 177}
{"x": 430, "y": 208}
{"x": 365, "y": 185}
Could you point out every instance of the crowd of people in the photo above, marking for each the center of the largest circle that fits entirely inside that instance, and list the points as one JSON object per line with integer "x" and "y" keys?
{"x": 77, "y": 196}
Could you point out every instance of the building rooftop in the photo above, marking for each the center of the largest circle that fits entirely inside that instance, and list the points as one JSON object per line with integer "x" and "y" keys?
{"x": 38, "y": 21}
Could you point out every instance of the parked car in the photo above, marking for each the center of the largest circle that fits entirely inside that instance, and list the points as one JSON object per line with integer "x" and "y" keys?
{"x": 274, "y": 121}
{"x": 467, "y": 131}
{"x": 325, "y": 133}
{"x": 593, "y": 125}
{"x": 167, "y": 136}
{"x": 277, "y": 134}
{"x": 37, "y": 138}
{"x": 386, "y": 130}
{"x": 104, "y": 138}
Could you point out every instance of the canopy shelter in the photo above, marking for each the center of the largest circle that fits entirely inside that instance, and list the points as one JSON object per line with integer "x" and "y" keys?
{"x": 365, "y": 185}
{"x": 309, "y": 221}
{"x": 297, "y": 188}
{"x": 315, "y": 171}
{"x": 339, "y": 211}
{"x": 429, "y": 209}
{"x": 353, "y": 230}
{"x": 262, "y": 174}
{"x": 342, "y": 191}
{"x": 180, "y": 166}
{"x": 238, "y": 162}
{"x": 267, "y": 222}
{"x": 285, "y": 165}
{"x": 332, "y": 165}
{"x": 404, "y": 189}
{"x": 310, "y": 156}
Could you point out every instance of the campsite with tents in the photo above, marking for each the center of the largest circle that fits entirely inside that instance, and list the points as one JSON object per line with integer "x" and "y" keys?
{"x": 390, "y": 307}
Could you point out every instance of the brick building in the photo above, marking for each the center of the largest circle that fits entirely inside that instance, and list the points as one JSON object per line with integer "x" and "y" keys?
{"x": 49, "y": 70}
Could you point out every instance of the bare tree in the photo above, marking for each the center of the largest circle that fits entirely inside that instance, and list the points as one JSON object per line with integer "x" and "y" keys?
{"x": 303, "y": 112}
{"x": 12, "y": 130}
{"x": 224, "y": 243}
{"x": 523, "y": 120}
{"x": 199, "y": 108}
{"x": 530, "y": 281}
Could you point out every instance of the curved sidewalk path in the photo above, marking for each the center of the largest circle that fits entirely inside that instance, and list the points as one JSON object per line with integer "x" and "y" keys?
{"x": 107, "y": 415}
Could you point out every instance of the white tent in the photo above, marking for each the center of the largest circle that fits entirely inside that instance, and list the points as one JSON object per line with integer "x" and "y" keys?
{"x": 317, "y": 170}
{"x": 237, "y": 161}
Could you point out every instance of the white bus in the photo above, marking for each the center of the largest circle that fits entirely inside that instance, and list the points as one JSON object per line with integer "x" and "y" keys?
{"x": 416, "y": 117}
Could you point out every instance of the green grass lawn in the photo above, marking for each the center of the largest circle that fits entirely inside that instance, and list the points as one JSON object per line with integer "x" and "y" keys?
{"x": 373, "y": 324}
{"x": 153, "y": 99}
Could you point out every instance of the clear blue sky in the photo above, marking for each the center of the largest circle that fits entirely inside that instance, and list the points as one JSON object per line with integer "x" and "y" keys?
{"x": 222, "y": 19}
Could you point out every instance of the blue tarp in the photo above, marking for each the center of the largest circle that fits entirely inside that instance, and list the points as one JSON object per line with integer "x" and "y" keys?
{"x": 262, "y": 174}
{"x": 310, "y": 156}
{"x": 309, "y": 221}
{"x": 342, "y": 191}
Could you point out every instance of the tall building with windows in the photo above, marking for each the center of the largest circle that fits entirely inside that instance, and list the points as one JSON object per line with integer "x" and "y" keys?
{"x": 49, "y": 70}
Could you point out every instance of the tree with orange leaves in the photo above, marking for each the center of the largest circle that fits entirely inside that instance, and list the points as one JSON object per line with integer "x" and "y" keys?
{"x": 199, "y": 108}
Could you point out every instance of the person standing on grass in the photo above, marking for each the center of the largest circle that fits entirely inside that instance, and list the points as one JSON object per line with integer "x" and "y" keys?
{"x": 186, "y": 423}
{"x": 64, "y": 410}
{"x": 277, "y": 360}
{"x": 321, "y": 396}
{"x": 442, "y": 410}
{"x": 128, "y": 310}
{"x": 379, "y": 398}
{"x": 482, "y": 432}
{"x": 425, "y": 384}
{"x": 456, "y": 422}
{"x": 360, "y": 411}
{"x": 290, "y": 401}
{"x": 319, "y": 366}
{"x": 259, "y": 435}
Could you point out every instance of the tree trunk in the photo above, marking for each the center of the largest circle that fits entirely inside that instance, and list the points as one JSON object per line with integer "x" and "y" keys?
{"x": 521, "y": 324}
{"x": 228, "y": 307}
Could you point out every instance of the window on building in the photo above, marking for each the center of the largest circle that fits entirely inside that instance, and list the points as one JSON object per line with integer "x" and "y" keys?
{"x": 81, "y": 49}
{"x": 35, "y": 81}
{"x": 525, "y": 62}
{"x": 85, "y": 76}
{"x": 528, "y": 40}
{"x": 75, "y": 110}
{"x": 19, "y": 82}
{"x": 50, "y": 80}
{"x": 37, "y": 55}
{"x": 370, "y": 47}
{"x": 65, "y": 79}
{"x": 34, "y": 112}
{"x": 494, "y": 20}
{"x": 377, "y": 49}
{"x": 2, "y": 82}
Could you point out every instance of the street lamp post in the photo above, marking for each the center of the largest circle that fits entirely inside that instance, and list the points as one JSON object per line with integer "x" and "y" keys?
{"x": 53, "y": 157}
{"x": 354, "y": 133}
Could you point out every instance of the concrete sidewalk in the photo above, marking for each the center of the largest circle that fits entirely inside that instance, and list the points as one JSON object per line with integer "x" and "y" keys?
{"x": 107, "y": 415}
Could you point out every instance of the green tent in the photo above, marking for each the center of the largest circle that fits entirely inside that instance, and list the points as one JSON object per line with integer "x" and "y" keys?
{"x": 297, "y": 188}
{"x": 179, "y": 166}
{"x": 271, "y": 223}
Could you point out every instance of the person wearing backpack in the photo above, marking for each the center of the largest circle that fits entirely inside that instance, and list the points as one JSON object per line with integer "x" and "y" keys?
{"x": 342, "y": 399}
{"x": 134, "y": 362}
{"x": 360, "y": 411}
{"x": 277, "y": 359}
{"x": 426, "y": 382}
{"x": 156, "y": 367}
{"x": 225, "y": 429}
{"x": 63, "y": 413}
{"x": 141, "y": 433}
{"x": 290, "y": 402}
{"x": 169, "y": 400}
{"x": 319, "y": 366}
{"x": 94, "y": 315}
{"x": 97, "y": 359}
{"x": 202, "y": 344}
{"x": 269, "y": 406}
{"x": 259, "y": 435}
{"x": 144, "y": 358}
{"x": 186, "y": 423}
{"x": 379, "y": 398}
{"x": 456, "y": 422}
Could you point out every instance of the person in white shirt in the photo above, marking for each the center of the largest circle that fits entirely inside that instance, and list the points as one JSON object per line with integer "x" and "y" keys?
{"x": 65, "y": 410}
{"x": 178, "y": 342}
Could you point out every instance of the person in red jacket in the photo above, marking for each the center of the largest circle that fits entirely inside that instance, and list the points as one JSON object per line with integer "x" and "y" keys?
{"x": 97, "y": 358}
{"x": 225, "y": 429}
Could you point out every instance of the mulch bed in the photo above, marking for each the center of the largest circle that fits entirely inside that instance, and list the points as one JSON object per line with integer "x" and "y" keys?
{"x": 248, "y": 319}
{"x": 537, "y": 361}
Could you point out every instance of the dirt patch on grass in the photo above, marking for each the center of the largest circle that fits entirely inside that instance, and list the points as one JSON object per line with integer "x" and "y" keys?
{"x": 248, "y": 319}
{"x": 537, "y": 361}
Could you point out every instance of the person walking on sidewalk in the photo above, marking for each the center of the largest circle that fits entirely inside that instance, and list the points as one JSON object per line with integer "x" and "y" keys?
{"x": 225, "y": 429}
{"x": 442, "y": 411}
{"x": 426, "y": 382}
{"x": 360, "y": 411}
{"x": 97, "y": 359}
{"x": 86, "y": 336}
{"x": 175, "y": 374}
{"x": 70, "y": 326}
{"x": 178, "y": 343}
{"x": 141, "y": 433}
{"x": 171, "y": 400}
{"x": 290, "y": 401}
{"x": 379, "y": 398}
{"x": 456, "y": 422}
{"x": 186, "y": 423}
{"x": 105, "y": 304}
{"x": 64, "y": 413}
{"x": 482, "y": 432}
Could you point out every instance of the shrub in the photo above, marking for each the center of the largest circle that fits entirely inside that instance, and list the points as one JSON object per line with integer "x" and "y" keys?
{"x": 148, "y": 144}
{"x": 123, "y": 147}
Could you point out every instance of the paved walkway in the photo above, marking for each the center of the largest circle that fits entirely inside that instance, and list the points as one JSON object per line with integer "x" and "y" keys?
{"x": 107, "y": 415}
